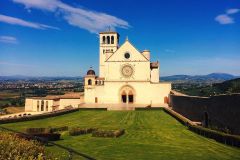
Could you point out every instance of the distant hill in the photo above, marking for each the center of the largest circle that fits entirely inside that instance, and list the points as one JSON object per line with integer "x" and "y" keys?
{"x": 44, "y": 78}
{"x": 230, "y": 86}
{"x": 226, "y": 87}
{"x": 210, "y": 78}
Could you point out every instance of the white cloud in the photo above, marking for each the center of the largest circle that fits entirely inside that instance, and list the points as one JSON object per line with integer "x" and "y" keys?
{"x": 232, "y": 11}
{"x": 8, "y": 39}
{"x": 21, "y": 22}
{"x": 224, "y": 19}
{"x": 86, "y": 19}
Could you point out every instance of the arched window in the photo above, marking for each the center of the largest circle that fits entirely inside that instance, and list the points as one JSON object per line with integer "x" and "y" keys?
{"x": 103, "y": 40}
{"x": 108, "y": 39}
{"x": 89, "y": 82}
{"x": 42, "y": 105}
{"x": 46, "y": 105}
{"x": 112, "y": 39}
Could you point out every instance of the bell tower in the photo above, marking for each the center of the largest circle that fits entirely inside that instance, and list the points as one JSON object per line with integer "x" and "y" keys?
{"x": 109, "y": 41}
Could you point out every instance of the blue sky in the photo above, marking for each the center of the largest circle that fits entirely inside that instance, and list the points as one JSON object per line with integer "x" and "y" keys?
{"x": 59, "y": 37}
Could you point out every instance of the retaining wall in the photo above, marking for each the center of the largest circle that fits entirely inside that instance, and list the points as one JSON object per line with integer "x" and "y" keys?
{"x": 220, "y": 112}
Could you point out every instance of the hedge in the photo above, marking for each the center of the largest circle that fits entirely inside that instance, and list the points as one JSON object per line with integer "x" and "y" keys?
{"x": 80, "y": 131}
{"x": 46, "y": 130}
{"x": 38, "y": 130}
{"x": 111, "y": 133}
{"x": 48, "y": 136}
{"x": 233, "y": 140}
{"x": 38, "y": 116}
{"x": 59, "y": 129}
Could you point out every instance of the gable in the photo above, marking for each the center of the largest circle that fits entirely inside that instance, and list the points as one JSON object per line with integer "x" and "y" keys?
{"x": 127, "y": 47}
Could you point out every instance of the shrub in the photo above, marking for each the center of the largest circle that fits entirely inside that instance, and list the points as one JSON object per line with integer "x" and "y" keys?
{"x": 80, "y": 131}
{"x": 13, "y": 147}
{"x": 46, "y": 133}
{"x": 38, "y": 130}
{"x": 48, "y": 136}
{"x": 58, "y": 129}
{"x": 111, "y": 133}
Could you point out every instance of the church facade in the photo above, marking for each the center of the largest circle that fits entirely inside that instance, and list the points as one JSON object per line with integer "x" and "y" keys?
{"x": 126, "y": 76}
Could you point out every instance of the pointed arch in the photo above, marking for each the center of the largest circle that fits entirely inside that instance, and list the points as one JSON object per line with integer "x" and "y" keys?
{"x": 108, "y": 39}
{"x": 112, "y": 39}
{"x": 103, "y": 39}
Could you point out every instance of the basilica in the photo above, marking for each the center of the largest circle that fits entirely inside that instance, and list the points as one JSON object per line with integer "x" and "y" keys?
{"x": 127, "y": 77}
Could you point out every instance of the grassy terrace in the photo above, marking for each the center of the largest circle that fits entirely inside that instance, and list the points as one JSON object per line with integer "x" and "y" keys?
{"x": 149, "y": 135}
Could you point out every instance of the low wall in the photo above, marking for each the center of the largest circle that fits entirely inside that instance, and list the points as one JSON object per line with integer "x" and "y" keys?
{"x": 220, "y": 112}
{"x": 38, "y": 116}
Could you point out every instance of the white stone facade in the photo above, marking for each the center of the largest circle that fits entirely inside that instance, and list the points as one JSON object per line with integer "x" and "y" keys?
{"x": 52, "y": 103}
{"x": 126, "y": 76}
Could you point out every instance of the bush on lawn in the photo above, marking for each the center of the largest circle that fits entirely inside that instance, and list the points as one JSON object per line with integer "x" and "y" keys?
{"x": 46, "y": 130}
{"x": 104, "y": 133}
{"x": 80, "y": 131}
{"x": 48, "y": 136}
{"x": 59, "y": 129}
{"x": 38, "y": 130}
{"x": 46, "y": 133}
{"x": 13, "y": 147}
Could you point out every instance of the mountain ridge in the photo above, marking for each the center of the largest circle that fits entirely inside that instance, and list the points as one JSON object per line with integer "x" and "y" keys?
{"x": 212, "y": 78}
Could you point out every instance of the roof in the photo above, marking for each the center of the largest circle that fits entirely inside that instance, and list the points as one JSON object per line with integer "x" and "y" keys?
{"x": 109, "y": 32}
{"x": 100, "y": 78}
{"x": 90, "y": 72}
{"x": 70, "y": 95}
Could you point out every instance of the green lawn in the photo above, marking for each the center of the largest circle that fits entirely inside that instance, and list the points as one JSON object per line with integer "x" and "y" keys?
{"x": 149, "y": 135}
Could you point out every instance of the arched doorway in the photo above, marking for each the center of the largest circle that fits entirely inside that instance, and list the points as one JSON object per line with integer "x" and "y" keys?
{"x": 127, "y": 94}
{"x": 124, "y": 97}
{"x": 130, "y": 97}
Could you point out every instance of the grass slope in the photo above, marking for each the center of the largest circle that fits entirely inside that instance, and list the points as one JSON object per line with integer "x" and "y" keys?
{"x": 149, "y": 135}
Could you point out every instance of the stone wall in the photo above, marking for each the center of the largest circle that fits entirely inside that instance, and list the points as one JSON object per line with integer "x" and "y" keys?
{"x": 221, "y": 112}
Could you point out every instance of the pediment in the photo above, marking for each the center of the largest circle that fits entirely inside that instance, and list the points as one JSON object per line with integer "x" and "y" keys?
{"x": 127, "y": 47}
